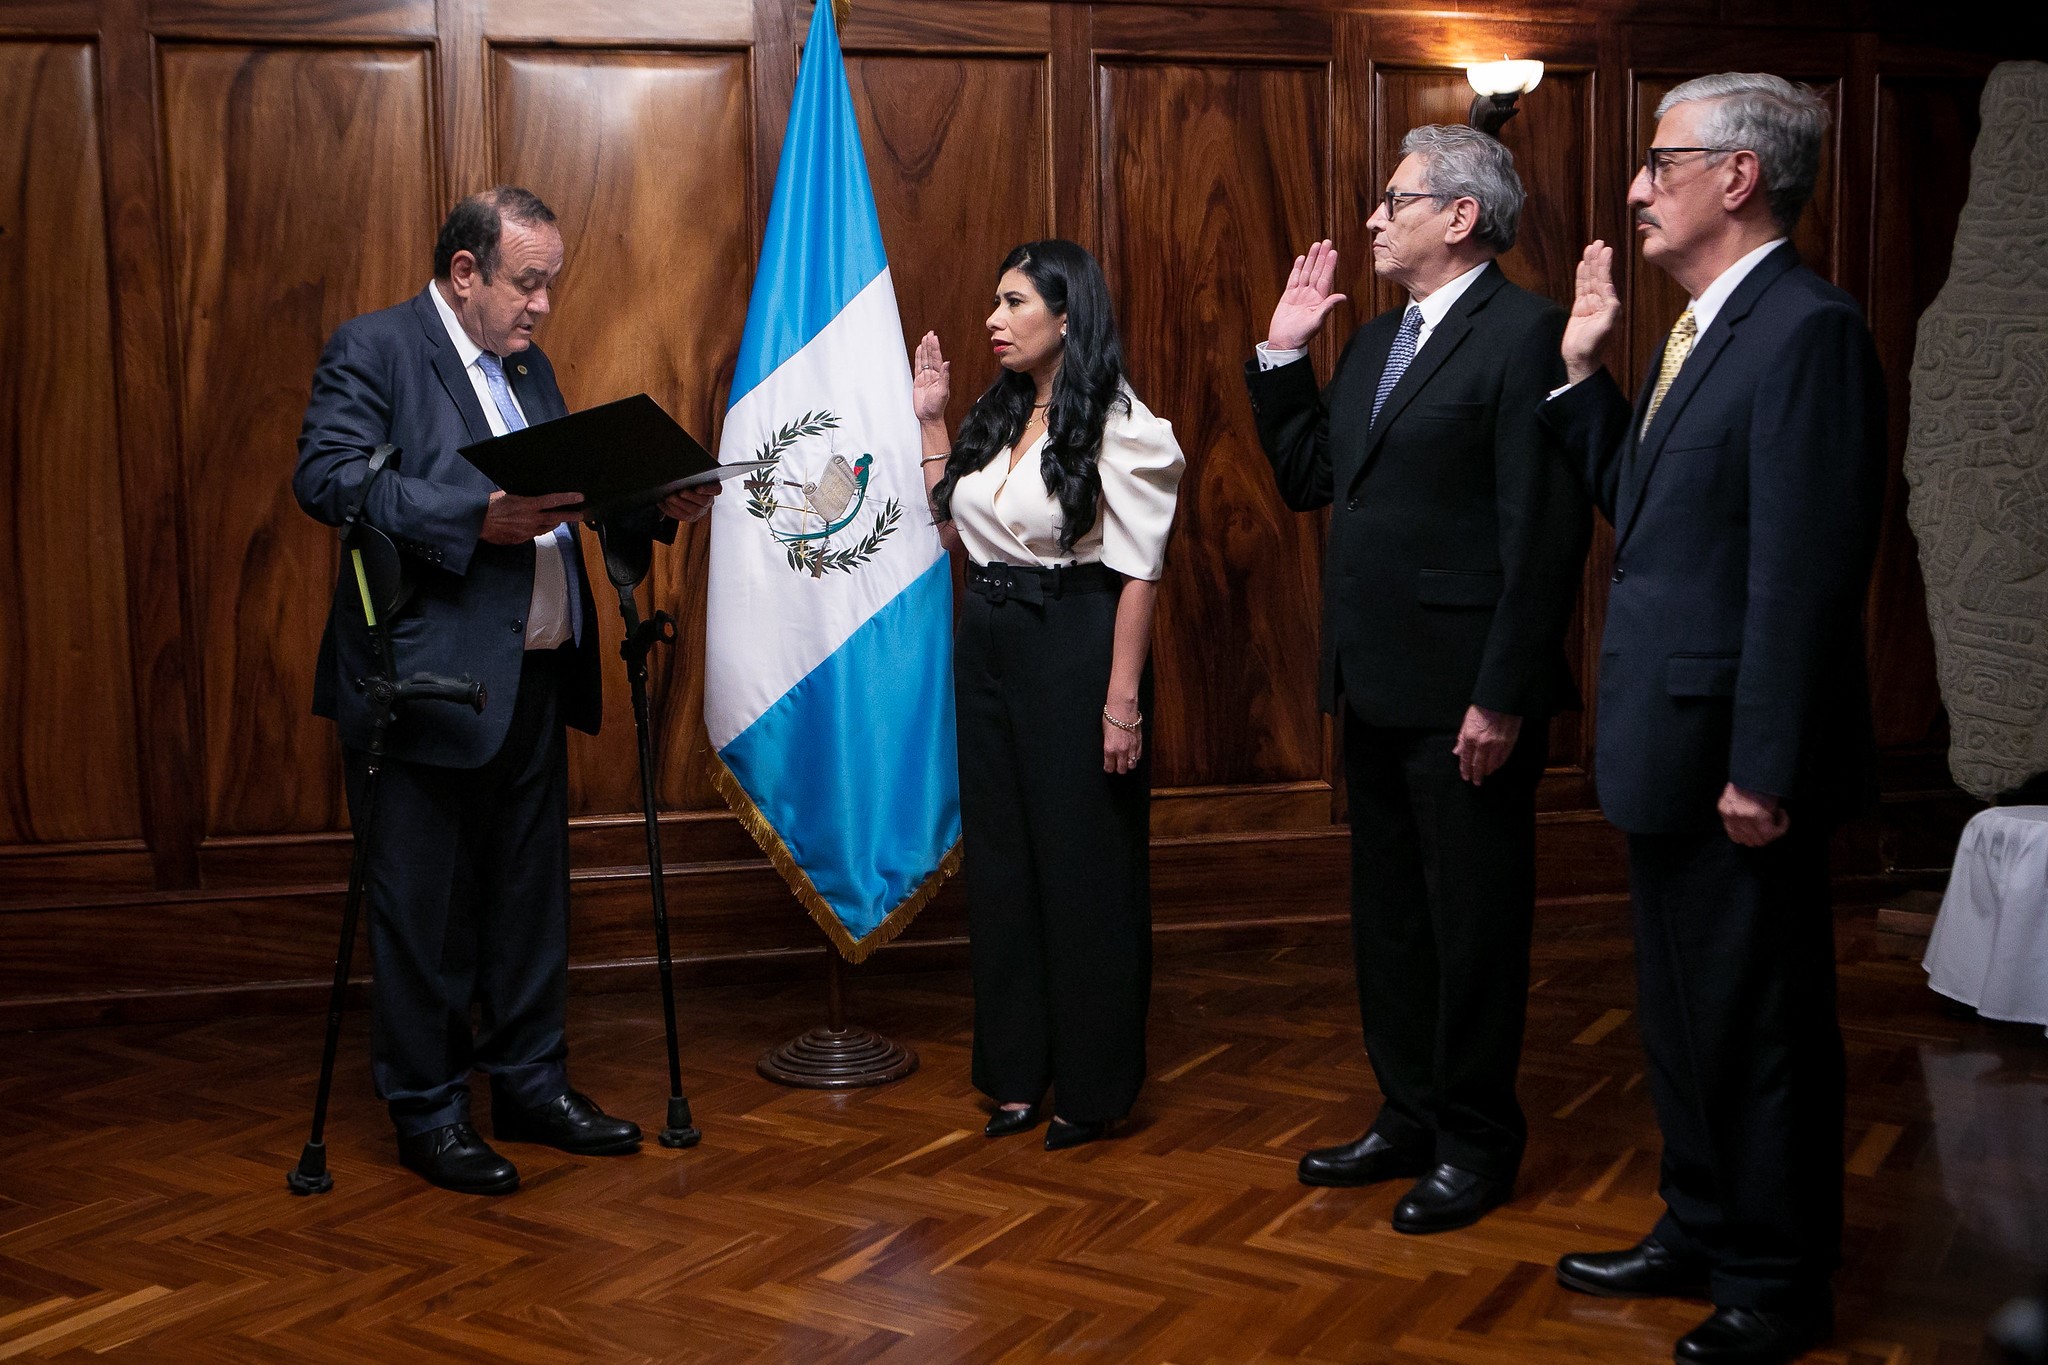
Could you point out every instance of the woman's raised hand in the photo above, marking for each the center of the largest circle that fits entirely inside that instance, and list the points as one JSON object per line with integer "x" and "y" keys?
{"x": 1307, "y": 299}
{"x": 931, "y": 380}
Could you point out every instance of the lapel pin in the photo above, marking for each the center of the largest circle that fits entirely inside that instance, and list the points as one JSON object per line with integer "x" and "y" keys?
{"x": 522, "y": 369}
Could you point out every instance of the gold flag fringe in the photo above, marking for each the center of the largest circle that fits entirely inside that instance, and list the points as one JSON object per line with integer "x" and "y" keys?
{"x": 854, "y": 950}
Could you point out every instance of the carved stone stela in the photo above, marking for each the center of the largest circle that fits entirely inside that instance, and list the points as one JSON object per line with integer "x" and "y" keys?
{"x": 1977, "y": 452}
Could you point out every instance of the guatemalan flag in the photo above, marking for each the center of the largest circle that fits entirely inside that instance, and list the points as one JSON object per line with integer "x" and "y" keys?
{"x": 828, "y": 675}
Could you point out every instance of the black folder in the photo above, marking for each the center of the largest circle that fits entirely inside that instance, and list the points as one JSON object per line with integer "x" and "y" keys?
{"x": 619, "y": 456}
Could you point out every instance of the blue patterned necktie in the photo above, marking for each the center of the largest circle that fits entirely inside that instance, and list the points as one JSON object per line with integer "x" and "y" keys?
{"x": 1397, "y": 360}
{"x": 565, "y": 539}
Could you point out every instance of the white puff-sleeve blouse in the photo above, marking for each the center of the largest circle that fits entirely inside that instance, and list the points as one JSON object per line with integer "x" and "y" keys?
{"x": 1005, "y": 515}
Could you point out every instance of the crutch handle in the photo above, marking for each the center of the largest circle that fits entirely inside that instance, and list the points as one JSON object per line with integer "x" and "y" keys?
{"x": 434, "y": 687}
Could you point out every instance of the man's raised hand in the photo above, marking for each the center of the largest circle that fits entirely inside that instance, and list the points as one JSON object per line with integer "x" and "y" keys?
{"x": 1595, "y": 310}
{"x": 1306, "y": 301}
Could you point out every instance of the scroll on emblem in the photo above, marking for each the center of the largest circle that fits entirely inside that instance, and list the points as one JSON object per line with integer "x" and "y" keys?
{"x": 832, "y": 493}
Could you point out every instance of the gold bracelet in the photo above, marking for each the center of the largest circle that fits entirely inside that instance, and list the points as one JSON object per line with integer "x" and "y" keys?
{"x": 1129, "y": 727}
{"x": 940, "y": 456}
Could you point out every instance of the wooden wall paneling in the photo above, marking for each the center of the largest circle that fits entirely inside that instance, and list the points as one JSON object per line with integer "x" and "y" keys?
{"x": 1212, "y": 35}
{"x": 1351, "y": 190}
{"x": 300, "y": 194}
{"x": 462, "y": 74}
{"x": 1077, "y": 180}
{"x": 989, "y": 27}
{"x": 225, "y": 220}
{"x": 958, "y": 150}
{"x": 163, "y": 672}
{"x": 292, "y": 21}
{"x": 50, "y": 19}
{"x": 653, "y": 294}
{"x": 1855, "y": 138}
{"x": 724, "y": 23}
{"x": 772, "y": 76}
{"x": 1355, "y": 179}
{"x": 1612, "y": 159}
{"x": 1213, "y": 174}
{"x": 1921, "y": 183}
{"x": 68, "y": 757}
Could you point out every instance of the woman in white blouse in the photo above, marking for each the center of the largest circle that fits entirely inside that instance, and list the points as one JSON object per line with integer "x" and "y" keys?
{"x": 1061, "y": 490}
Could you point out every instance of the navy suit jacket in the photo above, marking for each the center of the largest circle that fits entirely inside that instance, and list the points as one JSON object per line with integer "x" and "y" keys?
{"x": 1457, "y": 531}
{"x": 1745, "y": 525}
{"x": 393, "y": 376}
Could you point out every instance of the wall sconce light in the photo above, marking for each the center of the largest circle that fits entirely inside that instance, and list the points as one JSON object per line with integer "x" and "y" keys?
{"x": 1495, "y": 88}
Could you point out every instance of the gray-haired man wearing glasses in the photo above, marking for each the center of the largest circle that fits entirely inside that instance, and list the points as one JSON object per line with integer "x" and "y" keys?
{"x": 1743, "y": 484}
{"x": 1456, "y": 537}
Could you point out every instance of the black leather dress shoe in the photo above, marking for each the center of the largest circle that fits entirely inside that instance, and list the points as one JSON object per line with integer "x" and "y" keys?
{"x": 1751, "y": 1336}
{"x": 1367, "y": 1161}
{"x": 571, "y": 1121}
{"x": 1005, "y": 1122}
{"x": 1647, "y": 1270}
{"x": 1449, "y": 1198}
{"x": 456, "y": 1158}
{"x": 1060, "y": 1134}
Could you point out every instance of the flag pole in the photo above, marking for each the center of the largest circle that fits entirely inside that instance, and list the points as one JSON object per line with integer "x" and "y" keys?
{"x": 836, "y": 1057}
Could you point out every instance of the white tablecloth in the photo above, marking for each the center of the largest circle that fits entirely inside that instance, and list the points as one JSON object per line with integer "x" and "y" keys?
{"x": 1990, "y": 943}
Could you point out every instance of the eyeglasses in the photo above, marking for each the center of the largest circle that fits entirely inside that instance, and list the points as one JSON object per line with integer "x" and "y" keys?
{"x": 1657, "y": 160}
{"x": 1393, "y": 199}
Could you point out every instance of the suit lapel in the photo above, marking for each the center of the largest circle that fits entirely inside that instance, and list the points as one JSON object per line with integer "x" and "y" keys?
{"x": 1444, "y": 338}
{"x": 1376, "y": 347}
{"x": 1694, "y": 372}
{"x": 449, "y": 367}
{"x": 1442, "y": 341}
{"x": 539, "y": 403}
{"x": 1651, "y": 444}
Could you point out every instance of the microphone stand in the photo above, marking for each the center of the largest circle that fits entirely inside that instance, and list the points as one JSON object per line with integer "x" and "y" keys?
{"x": 628, "y": 555}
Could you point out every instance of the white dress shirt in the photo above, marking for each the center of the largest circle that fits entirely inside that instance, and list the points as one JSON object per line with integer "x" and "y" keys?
{"x": 1435, "y": 309}
{"x": 547, "y": 615}
{"x": 1708, "y": 305}
{"x": 1005, "y": 515}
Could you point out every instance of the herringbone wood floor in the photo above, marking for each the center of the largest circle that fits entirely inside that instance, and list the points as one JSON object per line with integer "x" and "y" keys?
{"x": 143, "y": 1214}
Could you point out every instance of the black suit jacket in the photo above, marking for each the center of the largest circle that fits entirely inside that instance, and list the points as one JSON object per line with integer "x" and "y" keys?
{"x": 1745, "y": 525}
{"x": 1457, "y": 534}
{"x": 393, "y": 376}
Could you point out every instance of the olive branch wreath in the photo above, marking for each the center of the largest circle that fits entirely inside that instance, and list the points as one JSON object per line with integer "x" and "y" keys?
{"x": 812, "y": 557}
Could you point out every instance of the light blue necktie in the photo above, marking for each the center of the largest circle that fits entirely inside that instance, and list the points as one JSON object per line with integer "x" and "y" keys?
{"x": 1397, "y": 360}
{"x": 565, "y": 539}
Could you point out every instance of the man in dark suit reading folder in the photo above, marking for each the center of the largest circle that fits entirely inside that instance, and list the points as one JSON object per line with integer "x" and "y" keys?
{"x": 469, "y": 895}
{"x": 1744, "y": 485}
{"x": 1456, "y": 541}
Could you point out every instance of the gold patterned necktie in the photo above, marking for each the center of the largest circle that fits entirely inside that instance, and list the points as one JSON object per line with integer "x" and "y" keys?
{"x": 1677, "y": 347}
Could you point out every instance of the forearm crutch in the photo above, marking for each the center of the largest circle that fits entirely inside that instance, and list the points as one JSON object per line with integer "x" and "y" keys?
{"x": 381, "y": 587}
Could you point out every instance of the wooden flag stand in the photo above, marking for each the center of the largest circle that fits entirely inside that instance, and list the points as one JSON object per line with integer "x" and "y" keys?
{"x": 836, "y": 1057}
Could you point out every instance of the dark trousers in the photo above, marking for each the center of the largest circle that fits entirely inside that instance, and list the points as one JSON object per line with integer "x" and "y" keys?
{"x": 1443, "y": 890}
{"x": 1059, "y": 912}
{"x": 1735, "y": 973}
{"x": 468, "y": 891}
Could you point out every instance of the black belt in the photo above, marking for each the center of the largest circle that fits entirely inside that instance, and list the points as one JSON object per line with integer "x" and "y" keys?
{"x": 1000, "y": 583}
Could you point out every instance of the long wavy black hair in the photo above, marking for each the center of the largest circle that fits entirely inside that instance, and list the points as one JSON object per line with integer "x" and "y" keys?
{"x": 1089, "y": 384}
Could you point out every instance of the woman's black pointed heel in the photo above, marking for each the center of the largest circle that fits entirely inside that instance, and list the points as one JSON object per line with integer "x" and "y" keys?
{"x": 1060, "y": 1134}
{"x": 1005, "y": 1122}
